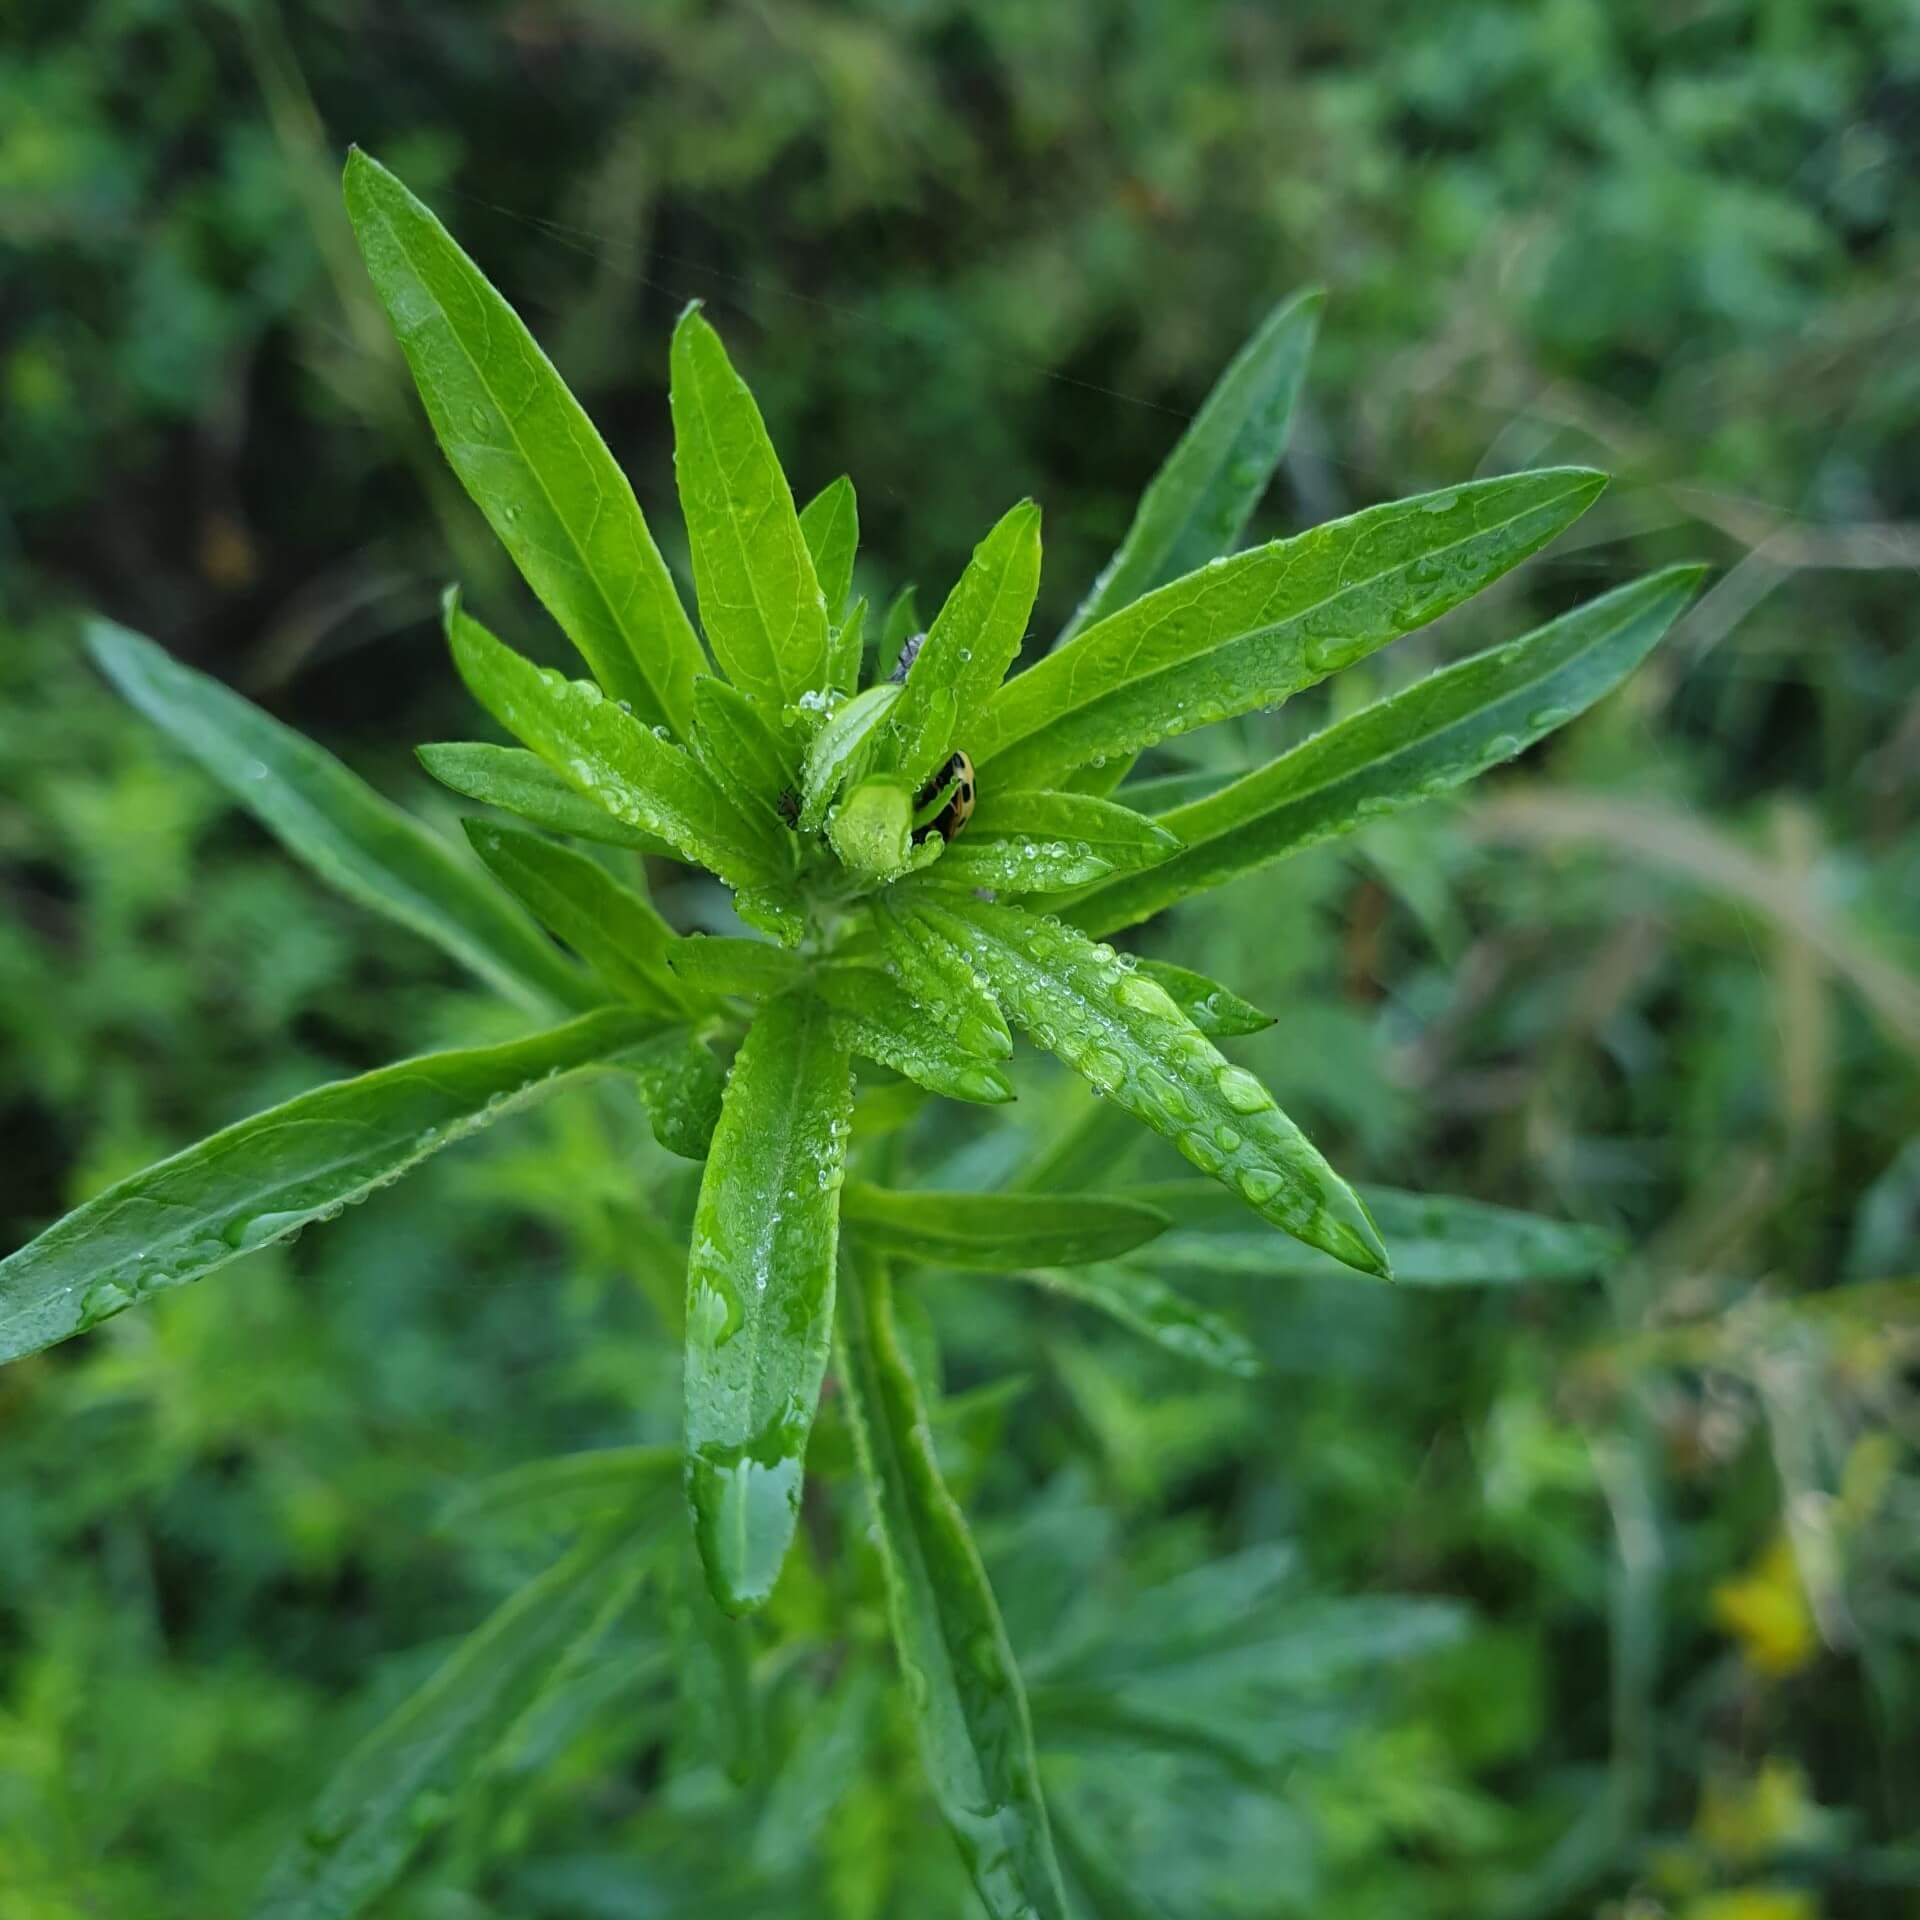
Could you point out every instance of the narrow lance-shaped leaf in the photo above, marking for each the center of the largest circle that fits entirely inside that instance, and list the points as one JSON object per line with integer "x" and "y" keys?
{"x": 968, "y": 649}
{"x": 840, "y": 751}
{"x": 404, "y": 1780}
{"x": 760, "y": 600}
{"x": 1420, "y": 743}
{"x": 1000, "y": 1232}
{"x": 1199, "y": 503}
{"x": 265, "y": 1178}
{"x": 876, "y": 1019}
{"x": 1249, "y": 631}
{"x": 1010, "y": 865}
{"x": 902, "y": 622}
{"x": 848, "y": 650}
{"x": 1437, "y": 1240}
{"x": 760, "y": 1293}
{"x": 1123, "y": 838}
{"x": 830, "y": 522}
{"x": 520, "y": 782}
{"x": 564, "y": 1491}
{"x": 618, "y": 934}
{"x": 739, "y": 747}
{"x": 681, "y": 1083}
{"x": 1136, "y": 1298}
{"x": 623, "y": 766}
{"x": 969, "y": 1710}
{"x": 527, "y": 453}
{"x": 1122, "y": 1033}
{"x": 945, "y": 983}
{"x": 334, "y": 823}
{"x": 746, "y": 969}
{"x": 1214, "y": 1009}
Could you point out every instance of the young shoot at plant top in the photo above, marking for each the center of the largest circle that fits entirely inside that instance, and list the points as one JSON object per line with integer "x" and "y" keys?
{"x": 925, "y": 850}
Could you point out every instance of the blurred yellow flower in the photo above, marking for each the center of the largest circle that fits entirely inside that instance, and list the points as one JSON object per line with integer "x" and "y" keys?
{"x": 1766, "y": 1611}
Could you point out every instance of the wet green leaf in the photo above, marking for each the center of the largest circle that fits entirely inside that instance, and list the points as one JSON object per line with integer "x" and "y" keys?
{"x": 1248, "y": 631}
{"x": 1125, "y": 1035}
{"x": 620, "y": 935}
{"x": 740, "y": 748}
{"x": 1012, "y": 863}
{"x": 1437, "y": 1240}
{"x": 902, "y": 622}
{"x": 1214, "y": 1009}
{"x": 681, "y": 1083}
{"x": 971, "y": 644}
{"x": 970, "y": 1713}
{"x": 623, "y": 766}
{"x": 830, "y": 522}
{"x": 1136, "y": 1297}
{"x": 1118, "y": 835}
{"x": 872, "y": 831}
{"x": 334, "y": 823}
{"x": 527, "y": 453}
{"x": 999, "y": 1232}
{"x": 848, "y": 649}
{"x": 945, "y": 984}
{"x": 760, "y": 600}
{"x": 1422, "y": 742}
{"x": 841, "y": 751}
{"x": 1199, "y": 503}
{"x": 879, "y": 1021}
{"x": 264, "y": 1179}
{"x": 520, "y": 782}
{"x": 760, "y": 1293}
{"x": 405, "y": 1779}
{"x": 745, "y": 969}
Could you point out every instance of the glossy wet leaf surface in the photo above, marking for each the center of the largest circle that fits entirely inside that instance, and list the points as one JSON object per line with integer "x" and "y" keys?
{"x": 878, "y": 1020}
{"x": 1214, "y": 1009}
{"x": 963, "y": 1688}
{"x": 520, "y": 782}
{"x": 1423, "y": 742}
{"x": 760, "y": 1293}
{"x": 527, "y": 453}
{"x": 1248, "y": 631}
{"x": 999, "y": 1232}
{"x": 1125, "y": 1036}
{"x": 334, "y": 823}
{"x": 1133, "y": 1294}
{"x": 266, "y": 1178}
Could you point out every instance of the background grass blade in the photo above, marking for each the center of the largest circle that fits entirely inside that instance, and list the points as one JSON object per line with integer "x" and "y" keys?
{"x": 1199, "y": 503}
{"x": 999, "y": 1232}
{"x": 1425, "y": 741}
{"x": 405, "y": 1778}
{"x": 333, "y": 822}
{"x": 527, "y": 453}
{"x": 760, "y": 601}
{"x": 1134, "y": 1295}
{"x": 968, "y": 1706}
{"x": 760, "y": 1293}
{"x": 1248, "y": 631}
{"x": 267, "y": 1177}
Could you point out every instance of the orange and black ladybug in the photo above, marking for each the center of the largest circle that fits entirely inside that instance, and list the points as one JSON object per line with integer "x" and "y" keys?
{"x": 955, "y": 772}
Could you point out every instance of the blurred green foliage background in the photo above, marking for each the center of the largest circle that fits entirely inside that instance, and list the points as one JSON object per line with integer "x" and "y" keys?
{"x": 1526, "y": 1602}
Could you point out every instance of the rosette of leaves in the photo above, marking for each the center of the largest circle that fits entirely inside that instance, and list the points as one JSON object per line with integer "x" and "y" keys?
{"x": 817, "y": 779}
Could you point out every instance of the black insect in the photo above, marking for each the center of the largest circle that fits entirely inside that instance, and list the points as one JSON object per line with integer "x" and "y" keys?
{"x": 789, "y": 805}
{"x": 908, "y": 655}
{"x": 955, "y": 772}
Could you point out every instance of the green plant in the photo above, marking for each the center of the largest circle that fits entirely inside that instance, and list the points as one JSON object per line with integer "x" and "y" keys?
{"x": 876, "y": 823}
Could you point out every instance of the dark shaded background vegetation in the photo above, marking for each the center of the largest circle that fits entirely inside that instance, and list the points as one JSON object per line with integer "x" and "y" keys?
{"x": 1660, "y": 976}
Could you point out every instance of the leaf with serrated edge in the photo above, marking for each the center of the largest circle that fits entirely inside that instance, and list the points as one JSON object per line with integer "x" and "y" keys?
{"x": 517, "y": 781}
{"x": 760, "y": 601}
{"x": 1420, "y": 743}
{"x": 1249, "y": 631}
{"x": 618, "y": 934}
{"x": 527, "y": 453}
{"x": 1199, "y": 503}
{"x": 1214, "y": 1009}
{"x": 335, "y": 824}
{"x": 1124, "y": 1035}
{"x": 968, "y": 649}
{"x": 406, "y": 1777}
{"x": 743, "y": 969}
{"x": 969, "y": 1709}
{"x": 760, "y": 1293}
{"x": 265, "y": 1178}
{"x": 999, "y": 1232}
{"x": 1438, "y": 1240}
{"x": 739, "y": 747}
{"x": 617, "y": 762}
{"x": 879, "y": 1021}
{"x": 830, "y": 522}
{"x": 1139, "y": 1300}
